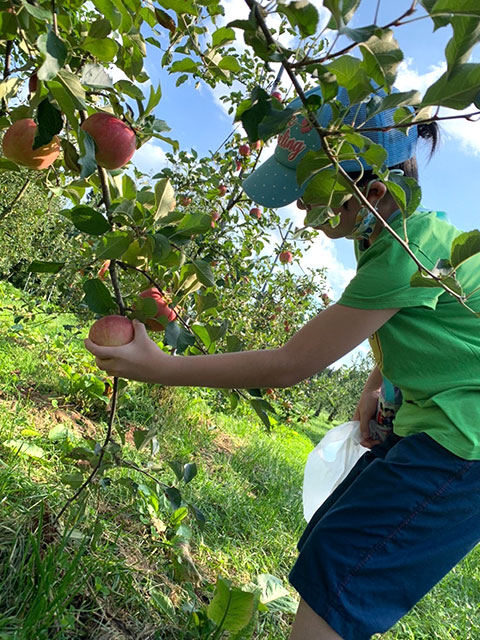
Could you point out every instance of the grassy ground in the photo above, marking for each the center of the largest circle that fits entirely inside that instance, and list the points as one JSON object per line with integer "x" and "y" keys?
{"x": 122, "y": 563}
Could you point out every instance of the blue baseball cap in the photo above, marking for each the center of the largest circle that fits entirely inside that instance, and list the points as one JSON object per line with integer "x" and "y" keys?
{"x": 274, "y": 183}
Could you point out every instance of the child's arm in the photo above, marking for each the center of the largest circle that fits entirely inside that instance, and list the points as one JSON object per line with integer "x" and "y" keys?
{"x": 323, "y": 340}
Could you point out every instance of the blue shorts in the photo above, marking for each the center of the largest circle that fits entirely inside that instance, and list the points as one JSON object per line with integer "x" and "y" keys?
{"x": 406, "y": 514}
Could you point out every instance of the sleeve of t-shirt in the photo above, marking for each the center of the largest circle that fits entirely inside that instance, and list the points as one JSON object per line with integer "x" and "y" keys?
{"x": 383, "y": 277}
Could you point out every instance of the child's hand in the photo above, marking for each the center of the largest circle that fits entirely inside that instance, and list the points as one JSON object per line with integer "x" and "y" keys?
{"x": 140, "y": 359}
{"x": 365, "y": 411}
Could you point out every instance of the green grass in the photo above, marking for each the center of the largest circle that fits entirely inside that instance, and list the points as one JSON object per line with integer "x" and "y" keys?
{"x": 120, "y": 565}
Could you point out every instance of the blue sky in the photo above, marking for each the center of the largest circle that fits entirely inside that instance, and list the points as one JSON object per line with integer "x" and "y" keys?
{"x": 450, "y": 180}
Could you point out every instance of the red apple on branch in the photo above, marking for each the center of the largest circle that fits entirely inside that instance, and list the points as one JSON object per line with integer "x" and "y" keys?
{"x": 115, "y": 141}
{"x": 255, "y": 211}
{"x": 185, "y": 201}
{"x": 286, "y": 257}
{"x": 222, "y": 189}
{"x": 18, "y": 142}
{"x": 112, "y": 331}
{"x": 103, "y": 270}
{"x": 244, "y": 150}
{"x": 163, "y": 310}
{"x": 277, "y": 95}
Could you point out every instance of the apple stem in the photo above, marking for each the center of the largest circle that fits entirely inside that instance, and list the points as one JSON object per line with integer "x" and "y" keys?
{"x": 94, "y": 471}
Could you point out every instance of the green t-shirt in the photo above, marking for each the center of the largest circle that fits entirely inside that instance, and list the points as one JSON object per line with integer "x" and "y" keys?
{"x": 430, "y": 349}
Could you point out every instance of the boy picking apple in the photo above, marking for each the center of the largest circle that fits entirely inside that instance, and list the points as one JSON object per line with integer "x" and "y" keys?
{"x": 410, "y": 508}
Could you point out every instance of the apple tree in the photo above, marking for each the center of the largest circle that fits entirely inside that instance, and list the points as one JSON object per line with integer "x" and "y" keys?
{"x": 76, "y": 103}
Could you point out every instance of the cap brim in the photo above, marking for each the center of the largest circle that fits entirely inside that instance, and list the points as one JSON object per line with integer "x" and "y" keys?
{"x": 273, "y": 185}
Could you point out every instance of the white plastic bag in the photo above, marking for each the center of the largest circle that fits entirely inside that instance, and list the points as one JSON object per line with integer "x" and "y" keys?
{"x": 329, "y": 463}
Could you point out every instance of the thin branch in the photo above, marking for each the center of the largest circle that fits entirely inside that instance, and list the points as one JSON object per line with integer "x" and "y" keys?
{"x": 94, "y": 471}
{"x": 8, "y": 208}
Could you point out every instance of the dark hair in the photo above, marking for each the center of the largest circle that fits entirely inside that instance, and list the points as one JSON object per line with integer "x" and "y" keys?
{"x": 429, "y": 131}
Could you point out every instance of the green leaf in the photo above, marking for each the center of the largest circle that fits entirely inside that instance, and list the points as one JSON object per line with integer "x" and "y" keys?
{"x": 100, "y": 28}
{"x": 465, "y": 246}
{"x": 274, "y": 595}
{"x": 301, "y": 14}
{"x": 94, "y": 75}
{"x": 74, "y": 480}
{"x": 8, "y": 165}
{"x": 326, "y": 188}
{"x": 153, "y": 99}
{"x": 8, "y": 26}
{"x": 164, "y": 199}
{"x": 114, "y": 245}
{"x": 230, "y": 63}
{"x": 162, "y": 603}
{"x": 351, "y": 75}
{"x": 161, "y": 247}
{"x": 222, "y": 36}
{"x": 9, "y": 87}
{"x": 406, "y": 192}
{"x": 109, "y": 11}
{"x": 456, "y": 7}
{"x": 105, "y": 49}
{"x": 54, "y": 52}
{"x": 311, "y": 163}
{"x": 231, "y": 608}
{"x": 189, "y": 472}
{"x": 420, "y": 280}
{"x": 39, "y": 266}
{"x": 186, "y": 65}
{"x": 457, "y": 89}
{"x": 392, "y": 101}
{"x": 361, "y": 34}
{"x": 60, "y": 432}
{"x": 87, "y": 157}
{"x": 381, "y": 57}
{"x": 129, "y": 89}
{"x": 342, "y": 12}
{"x": 466, "y": 34}
{"x": 259, "y": 408}
{"x": 49, "y": 123}
{"x": 204, "y": 272}
{"x": 74, "y": 87}
{"x": 181, "y": 6}
{"x": 89, "y": 220}
{"x": 24, "y": 448}
{"x": 97, "y": 297}
{"x": 40, "y": 13}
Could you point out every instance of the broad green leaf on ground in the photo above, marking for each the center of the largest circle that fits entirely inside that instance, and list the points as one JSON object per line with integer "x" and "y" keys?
{"x": 464, "y": 247}
{"x": 274, "y": 595}
{"x": 24, "y": 448}
{"x": 89, "y": 220}
{"x": 97, "y": 297}
{"x": 231, "y": 608}
{"x": 54, "y": 52}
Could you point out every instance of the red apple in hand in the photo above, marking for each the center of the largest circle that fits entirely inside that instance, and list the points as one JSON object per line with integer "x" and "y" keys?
{"x": 115, "y": 142}
{"x": 163, "y": 310}
{"x": 18, "y": 142}
{"x": 286, "y": 257}
{"x": 112, "y": 331}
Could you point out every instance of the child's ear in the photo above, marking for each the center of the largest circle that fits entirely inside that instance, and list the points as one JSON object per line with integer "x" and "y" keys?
{"x": 376, "y": 189}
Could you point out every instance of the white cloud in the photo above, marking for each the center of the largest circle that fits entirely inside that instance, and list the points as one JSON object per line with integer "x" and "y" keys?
{"x": 150, "y": 158}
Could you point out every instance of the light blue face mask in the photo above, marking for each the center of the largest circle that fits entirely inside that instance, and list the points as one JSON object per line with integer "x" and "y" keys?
{"x": 366, "y": 222}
